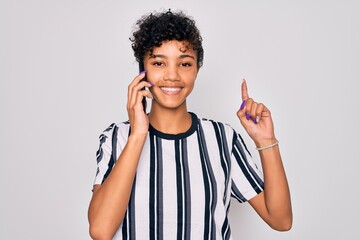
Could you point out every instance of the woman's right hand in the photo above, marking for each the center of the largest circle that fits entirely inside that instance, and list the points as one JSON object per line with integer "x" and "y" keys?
{"x": 139, "y": 121}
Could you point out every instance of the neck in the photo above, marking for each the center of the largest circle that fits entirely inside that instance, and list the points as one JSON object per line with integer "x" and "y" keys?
{"x": 171, "y": 121}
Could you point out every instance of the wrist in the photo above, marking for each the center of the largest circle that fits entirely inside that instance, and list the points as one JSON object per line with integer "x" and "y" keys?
{"x": 275, "y": 144}
{"x": 265, "y": 142}
{"x": 137, "y": 137}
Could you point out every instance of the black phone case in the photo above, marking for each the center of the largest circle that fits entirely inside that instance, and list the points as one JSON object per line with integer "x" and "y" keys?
{"x": 141, "y": 69}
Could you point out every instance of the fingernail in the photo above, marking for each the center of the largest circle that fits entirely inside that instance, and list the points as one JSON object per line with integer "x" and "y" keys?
{"x": 151, "y": 84}
{"x": 143, "y": 72}
{"x": 243, "y": 105}
{"x": 255, "y": 121}
{"x": 247, "y": 116}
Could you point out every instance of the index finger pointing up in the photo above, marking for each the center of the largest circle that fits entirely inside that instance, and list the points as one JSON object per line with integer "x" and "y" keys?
{"x": 244, "y": 92}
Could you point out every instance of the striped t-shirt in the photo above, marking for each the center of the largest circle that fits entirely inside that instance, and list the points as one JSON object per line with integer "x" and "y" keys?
{"x": 183, "y": 182}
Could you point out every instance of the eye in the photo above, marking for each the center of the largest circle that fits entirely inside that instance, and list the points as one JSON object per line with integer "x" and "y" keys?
{"x": 186, "y": 64}
{"x": 158, "y": 64}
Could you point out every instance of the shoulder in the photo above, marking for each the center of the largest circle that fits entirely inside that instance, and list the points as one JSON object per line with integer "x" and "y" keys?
{"x": 115, "y": 130}
{"x": 217, "y": 126}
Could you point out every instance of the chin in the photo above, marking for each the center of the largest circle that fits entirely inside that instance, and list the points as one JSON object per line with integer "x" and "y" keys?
{"x": 170, "y": 105}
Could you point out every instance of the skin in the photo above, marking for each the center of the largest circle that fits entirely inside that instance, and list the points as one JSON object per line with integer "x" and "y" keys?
{"x": 273, "y": 204}
{"x": 171, "y": 73}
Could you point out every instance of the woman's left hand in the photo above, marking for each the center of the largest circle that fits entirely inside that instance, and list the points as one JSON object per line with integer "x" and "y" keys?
{"x": 256, "y": 119}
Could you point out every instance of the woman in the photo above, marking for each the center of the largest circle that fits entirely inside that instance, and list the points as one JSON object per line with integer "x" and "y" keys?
{"x": 169, "y": 174}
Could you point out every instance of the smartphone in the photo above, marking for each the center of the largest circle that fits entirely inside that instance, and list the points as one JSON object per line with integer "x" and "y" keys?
{"x": 141, "y": 68}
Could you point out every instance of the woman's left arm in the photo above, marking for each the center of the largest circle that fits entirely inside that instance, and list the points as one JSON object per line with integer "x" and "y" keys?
{"x": 273, "y": 204}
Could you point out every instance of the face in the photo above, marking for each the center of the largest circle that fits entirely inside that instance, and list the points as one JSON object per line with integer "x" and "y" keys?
{"x": 172, "y": 68}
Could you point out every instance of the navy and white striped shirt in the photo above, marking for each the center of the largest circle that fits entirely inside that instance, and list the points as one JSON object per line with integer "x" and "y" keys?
{"x": 183, "y": 182}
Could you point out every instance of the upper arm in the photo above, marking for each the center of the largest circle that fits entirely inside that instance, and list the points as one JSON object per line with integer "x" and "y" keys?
{"x": 279, "y": 222}
{"x": 259, "y": 205}
{"x": 96, "y": 188}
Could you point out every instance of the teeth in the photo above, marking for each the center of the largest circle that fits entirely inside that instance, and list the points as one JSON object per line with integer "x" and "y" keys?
{"x": 170, "y": 89}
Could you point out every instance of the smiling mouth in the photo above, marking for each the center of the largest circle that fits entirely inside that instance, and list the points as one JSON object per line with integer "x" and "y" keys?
{"x": 171, "y": 90}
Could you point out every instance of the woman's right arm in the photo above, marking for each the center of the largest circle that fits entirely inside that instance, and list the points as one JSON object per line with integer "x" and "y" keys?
{"x": 110, "y": 200}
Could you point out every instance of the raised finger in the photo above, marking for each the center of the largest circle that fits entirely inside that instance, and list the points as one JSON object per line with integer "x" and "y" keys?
{"x": 244, "y": 91}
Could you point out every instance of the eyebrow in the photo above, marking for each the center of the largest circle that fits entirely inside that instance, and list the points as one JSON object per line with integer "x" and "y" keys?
{"x": 163, "y": 56}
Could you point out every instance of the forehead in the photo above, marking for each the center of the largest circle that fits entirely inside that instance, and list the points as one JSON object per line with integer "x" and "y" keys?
{"x": 174, "y": 47}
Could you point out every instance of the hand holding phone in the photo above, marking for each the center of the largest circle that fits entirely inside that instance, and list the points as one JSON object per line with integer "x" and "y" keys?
{"x": 136, "y": 104}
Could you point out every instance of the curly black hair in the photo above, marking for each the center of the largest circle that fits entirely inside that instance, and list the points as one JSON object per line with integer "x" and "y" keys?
{"x": 155, "y": 28}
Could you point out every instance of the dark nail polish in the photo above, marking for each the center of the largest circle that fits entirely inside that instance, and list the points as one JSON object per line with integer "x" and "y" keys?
{"x": 151, "y": 83}
{"x": 243, "y": 105}
{"x": 143, "y": 72}
{"x": 255, "y": 121}
{"x": 247, "y": 116}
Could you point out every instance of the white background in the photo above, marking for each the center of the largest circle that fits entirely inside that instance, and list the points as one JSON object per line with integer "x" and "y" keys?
{"x": 64, "y": 70}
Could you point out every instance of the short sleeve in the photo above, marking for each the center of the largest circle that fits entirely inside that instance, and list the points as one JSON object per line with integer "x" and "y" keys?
{"x": 247, "y": 179}
{"x": 109, "y": 150}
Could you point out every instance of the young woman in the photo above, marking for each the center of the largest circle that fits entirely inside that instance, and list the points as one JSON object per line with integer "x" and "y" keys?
{"x": 169, "y": 174}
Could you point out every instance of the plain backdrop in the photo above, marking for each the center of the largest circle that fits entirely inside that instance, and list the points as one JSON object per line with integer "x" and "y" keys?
{"x": 64, "y": 70}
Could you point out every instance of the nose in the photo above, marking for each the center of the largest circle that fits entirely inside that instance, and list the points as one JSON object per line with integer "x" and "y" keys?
{"x": 171, "y": 74}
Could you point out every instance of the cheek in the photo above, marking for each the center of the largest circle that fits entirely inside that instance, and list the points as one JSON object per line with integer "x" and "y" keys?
{"x": 153, "y": 77}
{"x": 191, "y": 76}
